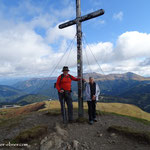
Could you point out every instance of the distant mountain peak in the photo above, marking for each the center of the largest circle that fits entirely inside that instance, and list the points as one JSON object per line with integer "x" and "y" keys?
{"x": 123, "y": 76}
{"x": 133, "y": 76}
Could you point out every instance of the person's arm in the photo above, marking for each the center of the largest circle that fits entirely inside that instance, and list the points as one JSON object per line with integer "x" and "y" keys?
{"x": 74, "y": 78}
{"x": 58, "y": 84}
{"x": 87, "y": 92}
{"x": 97, "y": 91}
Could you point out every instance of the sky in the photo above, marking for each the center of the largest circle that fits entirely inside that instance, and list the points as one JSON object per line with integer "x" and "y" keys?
{"x": 32, "y": 45}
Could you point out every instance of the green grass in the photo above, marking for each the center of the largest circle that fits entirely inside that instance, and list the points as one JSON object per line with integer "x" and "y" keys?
{"x": 53, "y": 112}
{"x": 28, "y": 135}
{"x": 140, "y": 136}
{"x": 144, "y": 121}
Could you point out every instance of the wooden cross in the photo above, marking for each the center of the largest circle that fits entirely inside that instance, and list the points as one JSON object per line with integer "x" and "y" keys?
{"x": 79, "y": 19}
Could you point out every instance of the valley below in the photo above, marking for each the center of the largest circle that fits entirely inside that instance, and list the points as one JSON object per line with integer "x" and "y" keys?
{"x": 128, "y": 88}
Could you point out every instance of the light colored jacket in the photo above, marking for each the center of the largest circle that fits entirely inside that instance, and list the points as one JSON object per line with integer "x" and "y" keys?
{"x": 88, "y": 92}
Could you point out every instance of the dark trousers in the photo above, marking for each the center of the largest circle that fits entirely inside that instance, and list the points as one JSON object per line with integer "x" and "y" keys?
{"x": 66, "y": 97}
{"x": 91, "y": 110}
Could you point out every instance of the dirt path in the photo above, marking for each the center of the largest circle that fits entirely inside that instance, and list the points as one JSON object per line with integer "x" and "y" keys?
{"x": 83, "y": 135}
{"x": 96, "y": 137}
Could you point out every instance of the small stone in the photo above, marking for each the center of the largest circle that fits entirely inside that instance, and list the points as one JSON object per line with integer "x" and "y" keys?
{"x": 65, "y": 146}
{"x": 113, "y": 135}
{"x": 111, "y": 142}
{"x": 75, "y": 145}
{"x": 85, "y": 145}
{"x": 43, "y": 140}
{"x": 46, "y": 146}
{"x": 100, "y": 135}
{"x": 69, "y": 147}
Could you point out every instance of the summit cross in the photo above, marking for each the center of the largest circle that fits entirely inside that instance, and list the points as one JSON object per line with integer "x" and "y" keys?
{"x": 79, "y": 19}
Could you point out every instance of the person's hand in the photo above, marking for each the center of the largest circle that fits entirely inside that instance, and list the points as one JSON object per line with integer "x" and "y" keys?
{"x": 94, "y": 98}
{"x": 61, "y": 91}
{"x": 83, "y": 79}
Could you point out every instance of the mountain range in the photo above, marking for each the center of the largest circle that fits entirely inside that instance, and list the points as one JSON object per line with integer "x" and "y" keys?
{"x": 8, "y": 93}
{"x": 125, "y": 88}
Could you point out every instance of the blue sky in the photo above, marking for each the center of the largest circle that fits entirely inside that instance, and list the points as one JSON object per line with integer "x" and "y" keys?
{"x": 31, "y": 43}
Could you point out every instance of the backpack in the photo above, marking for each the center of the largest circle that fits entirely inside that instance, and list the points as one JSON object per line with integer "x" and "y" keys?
{"x": 62, "y": 75}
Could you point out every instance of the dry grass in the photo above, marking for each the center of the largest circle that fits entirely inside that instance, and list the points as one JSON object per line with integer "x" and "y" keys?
{"x": 118, "y": 108}
{"x": 30, "y": 108}
{"x": 13, "y": 112}
{"x": 53, "y": 108}
{"x": 12, "y": 116}
{"x": 124, "y": 109}
{"x": 52, "y": 105}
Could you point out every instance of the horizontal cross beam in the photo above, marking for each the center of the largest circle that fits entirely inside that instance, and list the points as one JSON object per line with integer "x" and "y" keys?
{"x": 82, "y": 18}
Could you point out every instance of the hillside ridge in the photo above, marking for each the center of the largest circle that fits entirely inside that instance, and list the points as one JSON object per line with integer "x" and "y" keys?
{"x": 45, "y": 126}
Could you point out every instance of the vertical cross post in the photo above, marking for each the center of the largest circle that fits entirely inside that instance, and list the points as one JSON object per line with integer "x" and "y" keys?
{"x": 79, "y": 19}
{"x": 79, "y": 58}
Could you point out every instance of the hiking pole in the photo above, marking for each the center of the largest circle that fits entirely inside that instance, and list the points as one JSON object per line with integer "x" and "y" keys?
{"x": 64, "y": 110}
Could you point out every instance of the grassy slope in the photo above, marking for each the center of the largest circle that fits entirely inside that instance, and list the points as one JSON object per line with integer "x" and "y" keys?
{"x": 119, "y": 108}
{"x": 124, "y": 109}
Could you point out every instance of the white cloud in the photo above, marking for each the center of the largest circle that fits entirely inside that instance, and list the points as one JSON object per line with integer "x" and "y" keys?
{"x": 133, "y": 44}
{"x": 53, "y": 34}
{"x": 101, "y": 52}
{"x": 22, "y": 50}
{"x": 25, "y": 52}
{"x": 118, "y": 16}
{"x": 131, "y": 53}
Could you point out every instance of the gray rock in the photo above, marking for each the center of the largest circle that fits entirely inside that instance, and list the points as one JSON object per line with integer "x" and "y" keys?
{"x": 61, "y": 131}
{"x": 44, "y": 140}
{"x": 58, "y": 141}
{"x": 55, "y": 140}
{"x": 100, "y": 135}
{"x": 47, "y": 146}
{"x": 75, "y": 144}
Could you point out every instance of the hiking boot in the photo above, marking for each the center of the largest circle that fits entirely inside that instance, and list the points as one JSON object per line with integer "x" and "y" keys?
{"x": 95, "y": 120}
{"x": 91, "y": 122}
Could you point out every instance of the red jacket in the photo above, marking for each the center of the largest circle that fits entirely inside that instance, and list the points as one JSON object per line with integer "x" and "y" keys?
{"x": 65, "y": 82}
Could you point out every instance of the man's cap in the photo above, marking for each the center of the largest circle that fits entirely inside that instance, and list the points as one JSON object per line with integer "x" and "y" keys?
{"x": 65, "y": 68}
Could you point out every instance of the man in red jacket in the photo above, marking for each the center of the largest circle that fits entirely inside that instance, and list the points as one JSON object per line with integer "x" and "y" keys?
{"x": 63, "y": 86}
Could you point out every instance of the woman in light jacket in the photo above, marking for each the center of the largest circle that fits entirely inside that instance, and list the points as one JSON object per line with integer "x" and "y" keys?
{"x": 92, "y": 92}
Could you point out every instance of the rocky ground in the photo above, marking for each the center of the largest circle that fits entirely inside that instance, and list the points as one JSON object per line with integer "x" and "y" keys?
{"x": 74, "y": 136}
